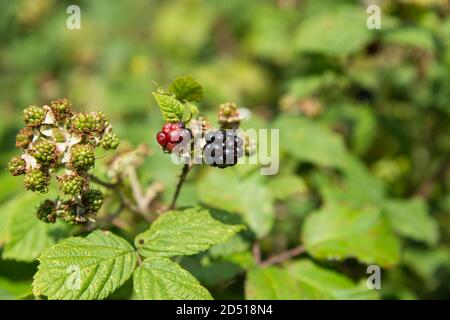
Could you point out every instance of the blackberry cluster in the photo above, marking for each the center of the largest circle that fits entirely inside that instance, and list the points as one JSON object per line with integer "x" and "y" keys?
{"x": 223, "y": 148}
{"x": 171, "y": 134}
{"x": 56, "y": 138}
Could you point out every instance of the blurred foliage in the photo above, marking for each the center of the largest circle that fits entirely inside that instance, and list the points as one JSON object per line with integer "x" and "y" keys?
{"x": 364, "y": 119}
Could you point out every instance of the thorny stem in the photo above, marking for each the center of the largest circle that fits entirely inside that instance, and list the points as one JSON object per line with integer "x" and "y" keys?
{"x": 183, "y": 175}
{"x": 278, "y": 258}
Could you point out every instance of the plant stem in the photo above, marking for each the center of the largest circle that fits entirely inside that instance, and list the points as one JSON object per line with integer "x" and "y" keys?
{"x": 256, "y": 250}
{"x": 183, "y": 175}
{"x": 278, "y": 258}
{"x": 115, "y": 187}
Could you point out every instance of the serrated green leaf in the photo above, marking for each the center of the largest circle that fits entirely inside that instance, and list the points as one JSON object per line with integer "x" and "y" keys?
{"x": 186, "y": 88}
{"x": 247, "y": 196}
{"x": 339, "y": 31}
{"x": 410, "y": 219}
{"x": 308, "y": 141}
{"x": 25, "y": 236}
{"x": 172, "y": 110}
{"x": 185, "y": 232}
{"x": 339, "y": 232}
{"x": 162, "y": 279}
{"x": 85, "y": 268}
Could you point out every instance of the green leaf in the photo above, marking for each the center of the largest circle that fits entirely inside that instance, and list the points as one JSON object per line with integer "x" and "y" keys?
{"x": 171, "y": 109}
{"x": 25, "y": 236}
{"x": 339, "y": 31}
{"x": 327, "y": 284}
{"x": 412, "y": 37}
{"x": 247, "y": 196}
{"x": 184, "y": 233}
{"x": 308, "y": 141}
{"x": 427, "y": 263}
{"x": 272, "y": 283}
{"x": 410, "y": 219}
{"x": 85, "y": 268}
{"x": 283, "y": 187}
{"x": 162, "y": 279}
{"x": 186, "y": 88}
{"x": 339, "y": 232}
{"x": 303, "y": 280}
{"x": 11, "y": 290}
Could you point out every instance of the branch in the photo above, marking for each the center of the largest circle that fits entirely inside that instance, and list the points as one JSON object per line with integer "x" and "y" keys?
{"x": 183, "y": 175}
{"x": 278, "y": 258}
{"x": 115, "y": 188}
{"x": 256, "y": 250}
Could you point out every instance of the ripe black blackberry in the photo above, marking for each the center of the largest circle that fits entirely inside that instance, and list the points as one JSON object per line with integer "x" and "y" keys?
{"x": 223, "y": 148}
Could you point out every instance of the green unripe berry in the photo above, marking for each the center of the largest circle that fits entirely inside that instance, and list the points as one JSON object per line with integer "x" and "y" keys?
{"x": 72, "y": 184}
{"x": 82, "y": 157}
{"x": 100, "y": 121}
{"x": 92, "y": 201}
{"x": 46, "y": 211}
{"x": 37, "y": 180}
{"x": 110, "y": 141}
{"x": 45, "y": 153}
{"x": 61, "y": 109}
{"x": 228, "y": 115}
{"x": 68, "y": 211}
{"x": 24, "y": 138}
{"x": 34, "y": 116}
{"x": 88, "y": 123}
{"x": 17, "y": 166}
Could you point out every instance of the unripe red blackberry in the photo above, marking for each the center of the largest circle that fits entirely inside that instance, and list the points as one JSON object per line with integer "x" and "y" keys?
{"x": 34, "y": 116}
{"x": 37, "y": 180}
{"x": 46, "y": 211}
{"x": 45, "y": 153}
{"x": 223, "y": 148}
{"x": 24, "y": 138}
{"x": 72, "y": 184}
{"x": 82, "y": 158}
{"x": 17, "y": 166}
{"x": 172, "y": 134}
{"x": 110, "y": 141}
{"x": 61, "y": 109}
{"x": 92, "y": 200}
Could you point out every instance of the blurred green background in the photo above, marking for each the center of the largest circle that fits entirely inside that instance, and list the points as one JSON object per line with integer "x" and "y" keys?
{"x": 364, "y": 117}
